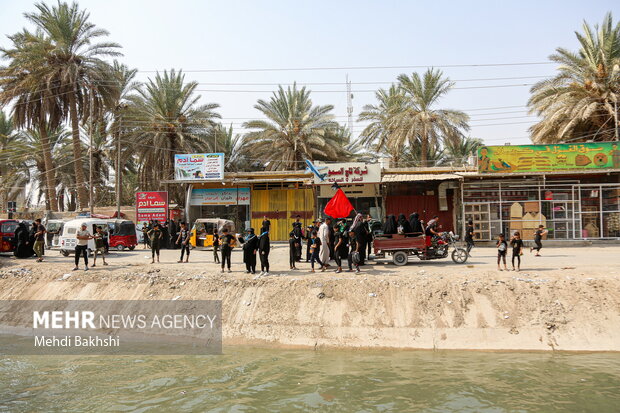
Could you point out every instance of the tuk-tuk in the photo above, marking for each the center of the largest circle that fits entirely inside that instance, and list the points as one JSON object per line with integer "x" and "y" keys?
{"x": 7, "y": 234}
{"x": 202, "y": 231}
{"x": 122, "y": 234}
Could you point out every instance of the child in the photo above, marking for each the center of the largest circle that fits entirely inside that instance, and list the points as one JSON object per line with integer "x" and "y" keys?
{"x": 340, "y": 247}
{"x": 540, "y": 232}
{"x": 99, "y": 246}
{"x": 517, "y": 246}
{"x": 155, "y": 236}
{"x": 183, "y": 241}
{"x": 315, "y": 249}
{"x": 502, "y": 247}
{"x": 353, "y": 258}
{"x": 216, "y": 245}
{"x": 226, "y": 240}
{"x": 263, "y": 252}
{"x": 292, "y": 247}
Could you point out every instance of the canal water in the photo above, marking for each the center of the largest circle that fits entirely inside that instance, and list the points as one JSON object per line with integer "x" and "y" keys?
{"x": 250, "y": 379}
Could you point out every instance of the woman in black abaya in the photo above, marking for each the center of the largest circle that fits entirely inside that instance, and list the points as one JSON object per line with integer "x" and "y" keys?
{"x": 390, "y": 226}
{"x": 416, "y": 224}
{"x": 22, "y": 239}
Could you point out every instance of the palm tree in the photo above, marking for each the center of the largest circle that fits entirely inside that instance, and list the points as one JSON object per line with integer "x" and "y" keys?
{"x": 227, "y": 142}
{"x": 29, "y": 154}
{"x": 119, "y": 108}
{"x": 75, "y": 62}
{"x": 34, "y": 97}
{"x": 459, "y": 152}
{"x": 435, "y": 155}
{"x": 167, "y": 121}
{"x": 581, "y": 102}
{"x": 12, "y": 177}
{"x": 421, "y": 122}
{"x": 294, "y": 130}
{"x": 380, "y": 130}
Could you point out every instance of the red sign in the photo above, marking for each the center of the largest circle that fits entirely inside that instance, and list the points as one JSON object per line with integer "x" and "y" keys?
{"x": 151, "y": 206}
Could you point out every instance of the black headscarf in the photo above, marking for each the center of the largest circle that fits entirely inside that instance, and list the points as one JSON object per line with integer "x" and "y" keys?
{"x": 414, "y": 221}
{"x": 390, "y": 226}
{"x": 402, "y": 222}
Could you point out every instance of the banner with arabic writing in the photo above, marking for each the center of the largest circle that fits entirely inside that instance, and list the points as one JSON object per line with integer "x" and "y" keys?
{"x": 199, "y": 166}
{"x": 151, "y": 205}
{"x": 349, "y": 173}
{"x": 543, "y": 158}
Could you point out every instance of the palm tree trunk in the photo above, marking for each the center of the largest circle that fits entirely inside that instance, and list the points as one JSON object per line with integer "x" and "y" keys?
{"x": 424, "y": 147}
{"x": 49, "y": 174}
{"x": 80, "y": 178}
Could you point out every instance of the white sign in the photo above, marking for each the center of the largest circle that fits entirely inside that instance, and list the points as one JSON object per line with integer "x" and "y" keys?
{"x": 349, "y": 173}
{"x": 199, "y": 166}
{"x": 217, "y": 196}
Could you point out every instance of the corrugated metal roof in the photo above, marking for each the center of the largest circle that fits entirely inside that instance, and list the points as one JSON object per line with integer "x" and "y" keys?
{"x": 419, "y": 177}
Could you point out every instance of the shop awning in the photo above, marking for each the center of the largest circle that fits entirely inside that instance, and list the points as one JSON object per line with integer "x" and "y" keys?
{"x": 419, "y": 177}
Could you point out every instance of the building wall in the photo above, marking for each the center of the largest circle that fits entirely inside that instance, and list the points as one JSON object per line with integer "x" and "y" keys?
{"x": 281, "y": 206}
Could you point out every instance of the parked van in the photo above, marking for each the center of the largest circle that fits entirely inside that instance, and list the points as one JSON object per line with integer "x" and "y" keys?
{"x": 54, "y": 231}
{"x": 68, "y": 241}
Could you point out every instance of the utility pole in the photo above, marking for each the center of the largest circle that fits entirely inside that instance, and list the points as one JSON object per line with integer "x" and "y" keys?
{"x": 349, "y": 104}
{"x": 90, "y": 169}
{"x": 118, "y": 161}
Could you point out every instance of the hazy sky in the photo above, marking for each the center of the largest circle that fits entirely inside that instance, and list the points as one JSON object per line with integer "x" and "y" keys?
{"x": 204, "y": 35}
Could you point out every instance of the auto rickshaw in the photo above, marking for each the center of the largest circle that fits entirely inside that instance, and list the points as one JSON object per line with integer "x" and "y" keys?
{"x": 202, "y": 231}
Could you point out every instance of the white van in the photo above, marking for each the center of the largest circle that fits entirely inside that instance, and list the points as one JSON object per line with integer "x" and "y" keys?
{"x": 68, "y": 241}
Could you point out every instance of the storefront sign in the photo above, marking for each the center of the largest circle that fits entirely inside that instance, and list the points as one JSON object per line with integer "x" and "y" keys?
{"x": 349, "y": 173}
{"x": 542, "y": 158}
{"x": 199, "y": 166}
{"x": 151, "y": 206}
{"x": 217, "y": 196}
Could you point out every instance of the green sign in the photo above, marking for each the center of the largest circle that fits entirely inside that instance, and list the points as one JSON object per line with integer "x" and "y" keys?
{"x": 544, "y": 158}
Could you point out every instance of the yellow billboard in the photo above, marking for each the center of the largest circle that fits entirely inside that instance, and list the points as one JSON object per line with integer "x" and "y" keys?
{"x": 545, "y": 158}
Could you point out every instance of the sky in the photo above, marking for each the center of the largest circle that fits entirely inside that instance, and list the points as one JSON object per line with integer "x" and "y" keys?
{"x": 216, "y": 42}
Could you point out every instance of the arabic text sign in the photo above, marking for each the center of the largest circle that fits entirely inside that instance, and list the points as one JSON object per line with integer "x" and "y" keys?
{"x": 542, "y": 158}
{"x": 207, "y": 166}
{"x": 151, "y": 205}
{"x": 217, "y": 196}
{"x": 349, "y": 173}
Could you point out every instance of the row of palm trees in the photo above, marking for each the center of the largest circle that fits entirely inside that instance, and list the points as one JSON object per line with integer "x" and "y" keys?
{"x": 70, "y": 101}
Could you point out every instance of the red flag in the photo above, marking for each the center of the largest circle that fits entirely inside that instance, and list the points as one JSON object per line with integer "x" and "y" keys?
{"x": 339, "y": 206}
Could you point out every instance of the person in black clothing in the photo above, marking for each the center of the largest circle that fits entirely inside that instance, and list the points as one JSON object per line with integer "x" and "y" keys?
{"x": 308, "y": 239}
{"x": 361, "y": 235}
{"x": 250, "y": 246}
{"x": 404, "y": 225}
{"x": 183, "y": 241}
{"x": 415, "y": 223}
{"x": 469, "y": 235}
{"x": 263, "y": 252}
{"x": 353, "y": 252}
{"x": 340, "y": 248}
{"x": 292, "y": 250}
{"x": 174, "y": 235}
{"x": 297, "y": 230}
{"x": 266, "y": 225}
{"x": 316, "y": 250}
{"x": 22, "y": 249}
{"x": 370, "y": 236}
{"x": 165, "y": 238}
{"x": 330, "y": 239}
{"x": 390, "y": 226}
{"x": 31, "y": 237}
{"x": 216, "y": 246}
{"x": 502, "y": 249}
{"x": 540, "y": 232}
{"x": 226, "y": 241}
{"x": 517, "y": 249}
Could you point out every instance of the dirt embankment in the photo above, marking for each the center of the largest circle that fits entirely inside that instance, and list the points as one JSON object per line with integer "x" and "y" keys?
{"x": 558, "y": 306}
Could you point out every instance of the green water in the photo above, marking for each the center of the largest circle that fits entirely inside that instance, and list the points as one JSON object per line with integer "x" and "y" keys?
{"x": 246, "y": 379}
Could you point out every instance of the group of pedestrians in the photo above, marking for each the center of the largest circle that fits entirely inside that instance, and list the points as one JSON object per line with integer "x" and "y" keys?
{"x": 516, "y": 243}
{"x": 30, "y": 241}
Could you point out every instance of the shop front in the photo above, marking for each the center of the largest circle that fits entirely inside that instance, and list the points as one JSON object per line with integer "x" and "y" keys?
{"x": 359, "y": 181}
{"x": 224, "y": 202}
{"x": 427, "y": 194}
{"x": 571, "y": 190}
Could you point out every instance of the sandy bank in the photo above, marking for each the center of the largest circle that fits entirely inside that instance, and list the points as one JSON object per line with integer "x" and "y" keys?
{"x": 438, "y": 305}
